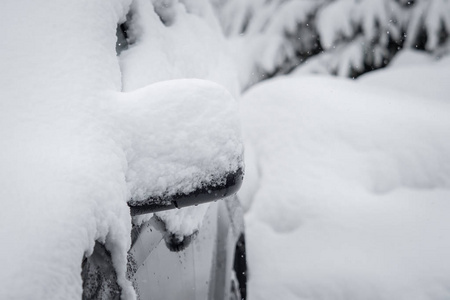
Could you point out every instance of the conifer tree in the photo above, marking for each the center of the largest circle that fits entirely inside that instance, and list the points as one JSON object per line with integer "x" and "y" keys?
{"x": 340, "y": 37}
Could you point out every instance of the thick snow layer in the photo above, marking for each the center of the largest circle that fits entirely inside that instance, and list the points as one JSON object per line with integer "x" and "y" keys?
{"x": 189, "y": 44}
{"x": 62, "y": 175}
{"x": 349, "y": 191}
{"x": 179, "y": 134}
{"x": 74, "y": 149}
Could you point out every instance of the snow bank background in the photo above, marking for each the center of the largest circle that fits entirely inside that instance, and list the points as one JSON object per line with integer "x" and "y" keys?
{"x": 348, "y": 183}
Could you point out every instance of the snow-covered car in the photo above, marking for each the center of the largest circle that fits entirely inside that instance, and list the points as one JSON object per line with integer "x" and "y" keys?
{"x": 208, "y": 264}
{"x": 108, "y": 164}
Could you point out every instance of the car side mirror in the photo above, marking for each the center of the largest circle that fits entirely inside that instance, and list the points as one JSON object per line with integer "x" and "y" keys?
{"x": 183, "y": 144}
{"x": 208, "y": 192}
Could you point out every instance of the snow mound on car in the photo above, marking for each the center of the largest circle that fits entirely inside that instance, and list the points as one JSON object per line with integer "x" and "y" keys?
{"x": 189, "y": 45}
{"x": 73, "y": 149}
{"x": 61, "y": 174}
{"x": 179, "y": 135}
{"x": 173, "y": 40}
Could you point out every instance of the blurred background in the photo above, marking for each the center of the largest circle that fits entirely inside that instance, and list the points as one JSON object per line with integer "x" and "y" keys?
{"x": 339, "y": 37}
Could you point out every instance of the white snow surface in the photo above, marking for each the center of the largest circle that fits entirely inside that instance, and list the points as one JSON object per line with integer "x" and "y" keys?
{"x": 74, "y": 149}
{"x": 419, "y": 78}
{"x": 348, "y": 185}
{"x": 179, "y": 134}
{"x": 189, "y": 45}
{"x": 62, "y": 175}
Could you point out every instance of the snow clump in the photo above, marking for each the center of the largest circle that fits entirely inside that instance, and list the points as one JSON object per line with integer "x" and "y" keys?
{"x": 74, "y": 148}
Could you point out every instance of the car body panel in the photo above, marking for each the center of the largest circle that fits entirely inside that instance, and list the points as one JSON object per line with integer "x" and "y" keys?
{"x": 200, "y": 270}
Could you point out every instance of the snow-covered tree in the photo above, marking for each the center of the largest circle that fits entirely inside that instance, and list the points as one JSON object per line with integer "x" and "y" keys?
{"x": 341, "y": 37}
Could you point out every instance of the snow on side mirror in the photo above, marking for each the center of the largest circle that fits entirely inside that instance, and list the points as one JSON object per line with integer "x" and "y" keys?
{"x": 207, "y": 192}
{"x": 182, "y": 140}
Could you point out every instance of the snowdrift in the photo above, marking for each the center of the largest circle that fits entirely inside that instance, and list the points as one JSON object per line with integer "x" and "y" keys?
{"x": 348, "y": 185}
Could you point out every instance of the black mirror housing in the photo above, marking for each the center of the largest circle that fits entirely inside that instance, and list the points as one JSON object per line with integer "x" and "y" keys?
{"x": 206, "y": 193}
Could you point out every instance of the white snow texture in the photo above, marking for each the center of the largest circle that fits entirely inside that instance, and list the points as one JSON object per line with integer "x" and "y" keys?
{"x": 348, "y": 194}
{"x": 74, "y": 148}
{"x": 347, "y": 183}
